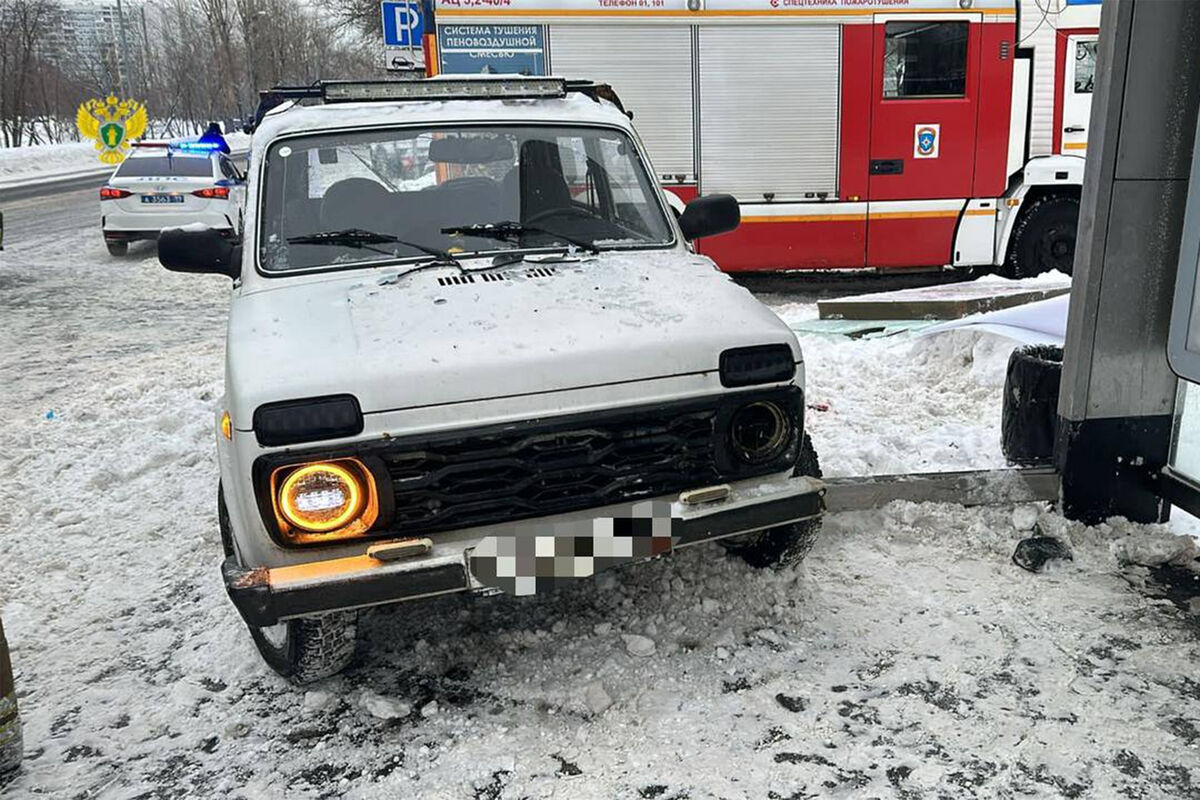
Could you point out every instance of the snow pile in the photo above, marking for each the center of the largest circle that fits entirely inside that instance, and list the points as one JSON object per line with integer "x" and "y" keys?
{"x": 45, "y": 160}
{"x": 906, "y": 404}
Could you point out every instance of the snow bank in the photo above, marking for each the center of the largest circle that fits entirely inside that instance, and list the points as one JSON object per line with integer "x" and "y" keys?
{"x": 45, "y": 160}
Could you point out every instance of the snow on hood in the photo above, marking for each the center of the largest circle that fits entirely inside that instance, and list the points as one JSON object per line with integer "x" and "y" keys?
{"x": 405, "y": 341}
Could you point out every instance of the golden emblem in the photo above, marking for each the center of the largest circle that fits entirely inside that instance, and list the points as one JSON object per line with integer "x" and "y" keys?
{"x": 112, "y": 124}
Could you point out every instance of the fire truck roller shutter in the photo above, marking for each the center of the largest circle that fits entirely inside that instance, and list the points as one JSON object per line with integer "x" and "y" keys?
{"x": 769, "y": 111}
{"x": 650, "y": 67}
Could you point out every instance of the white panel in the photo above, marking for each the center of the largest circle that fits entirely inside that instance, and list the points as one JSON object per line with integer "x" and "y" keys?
{"x": 769, "y": 110}
{"x": 1018, "y": 119}
{"x": 651, "y": 69}
{"x": 976, "y": 234}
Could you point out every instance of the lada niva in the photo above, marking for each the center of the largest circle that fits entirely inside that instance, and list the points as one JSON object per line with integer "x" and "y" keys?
{"x": 470, "y": 349}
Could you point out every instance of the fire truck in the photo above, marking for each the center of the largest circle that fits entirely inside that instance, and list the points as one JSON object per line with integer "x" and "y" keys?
{"x": 881, "y": 134}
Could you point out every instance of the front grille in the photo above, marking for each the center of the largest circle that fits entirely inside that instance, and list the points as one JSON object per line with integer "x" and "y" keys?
{"x": 502, "y": 473}
{"x": 535, "y": 469}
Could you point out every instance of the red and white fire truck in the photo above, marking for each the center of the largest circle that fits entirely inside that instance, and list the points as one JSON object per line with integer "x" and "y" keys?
{"x": 856, "y": 133}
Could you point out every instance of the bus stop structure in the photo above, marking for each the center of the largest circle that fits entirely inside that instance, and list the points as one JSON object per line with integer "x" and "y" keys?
{"x": 1118, "y": 392}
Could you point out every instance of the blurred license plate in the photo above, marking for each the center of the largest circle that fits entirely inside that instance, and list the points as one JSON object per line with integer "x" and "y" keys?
{"x": 162, "y": 198}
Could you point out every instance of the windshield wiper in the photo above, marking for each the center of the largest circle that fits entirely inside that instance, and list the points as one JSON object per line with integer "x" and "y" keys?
{"x": 359, "y": 238}
{"x": 513, "y": 231}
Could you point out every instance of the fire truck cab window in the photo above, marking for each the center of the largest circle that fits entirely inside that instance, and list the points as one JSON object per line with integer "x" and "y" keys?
{"x": 1085, "y": 67}
{"x": 925, "y": 59}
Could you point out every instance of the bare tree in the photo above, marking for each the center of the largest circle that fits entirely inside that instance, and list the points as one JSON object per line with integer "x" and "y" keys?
{"x": 198, "y": 60}
{"x": 23, "y": 27}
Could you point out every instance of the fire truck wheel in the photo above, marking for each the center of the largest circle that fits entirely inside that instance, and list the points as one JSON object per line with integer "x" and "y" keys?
{"x": 1044, "y": 238}
{"x": 786, "y": 545}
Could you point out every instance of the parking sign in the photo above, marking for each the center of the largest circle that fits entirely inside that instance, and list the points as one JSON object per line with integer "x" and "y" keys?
{"x": 402, "y": 23}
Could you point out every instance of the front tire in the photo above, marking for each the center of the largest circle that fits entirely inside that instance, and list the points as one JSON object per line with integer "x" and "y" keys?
{"x": 302, "y": 650}
{"x": 310, "y": 648}
{"x": 786, "y": 545}
{"x": 1044, "y": 238}
{"x": 117, "y": 249}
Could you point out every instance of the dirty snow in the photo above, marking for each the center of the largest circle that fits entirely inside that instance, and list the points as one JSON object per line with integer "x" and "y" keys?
{"x": 907, "y": 658}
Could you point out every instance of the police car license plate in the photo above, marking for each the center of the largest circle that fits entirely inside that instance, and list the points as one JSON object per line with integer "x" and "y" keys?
{"x": 162, "y": 198}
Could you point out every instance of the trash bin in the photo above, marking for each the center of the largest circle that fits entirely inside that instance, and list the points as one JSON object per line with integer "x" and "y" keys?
{"x": 1030, "y": 416}
{"x": 10, "y": 723}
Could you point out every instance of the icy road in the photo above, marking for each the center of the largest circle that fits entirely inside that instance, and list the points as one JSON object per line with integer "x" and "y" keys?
{"x": 907, "y": 658}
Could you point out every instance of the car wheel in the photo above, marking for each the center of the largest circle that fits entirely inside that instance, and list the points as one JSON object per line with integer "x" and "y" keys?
{"x": 1044, "y": 238}
{"x": 786, "y": 545}
{"x": 117, "y": 248}
{"x": 301, "y": 650}
{"x": 310, "y": 648}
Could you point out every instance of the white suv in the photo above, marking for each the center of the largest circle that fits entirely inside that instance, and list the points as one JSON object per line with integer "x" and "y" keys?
{"x": 167, "y": 184}
{"x": 470, "y": 350}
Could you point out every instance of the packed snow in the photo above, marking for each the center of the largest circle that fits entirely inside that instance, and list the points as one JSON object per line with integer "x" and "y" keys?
{"x": 908, "y": 657}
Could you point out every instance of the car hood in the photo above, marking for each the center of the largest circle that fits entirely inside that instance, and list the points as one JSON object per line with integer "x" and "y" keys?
{"x": 437, "y": 337}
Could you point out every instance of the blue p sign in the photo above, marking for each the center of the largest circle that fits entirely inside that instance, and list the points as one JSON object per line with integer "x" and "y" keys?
{"x": 402, "y": 23}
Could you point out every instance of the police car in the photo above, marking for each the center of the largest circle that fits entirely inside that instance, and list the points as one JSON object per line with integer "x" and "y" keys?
{"x": 164, "y": 184}
{"x": 470, "y": 350}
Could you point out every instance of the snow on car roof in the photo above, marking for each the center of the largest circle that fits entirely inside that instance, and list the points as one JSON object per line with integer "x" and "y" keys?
{"x": 575, "y": 108}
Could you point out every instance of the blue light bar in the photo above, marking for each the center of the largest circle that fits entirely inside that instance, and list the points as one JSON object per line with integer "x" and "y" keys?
{"x": 195, "y": 147}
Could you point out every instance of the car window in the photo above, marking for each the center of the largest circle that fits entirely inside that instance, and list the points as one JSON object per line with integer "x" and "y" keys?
{"x": 582, "y": 183}
{"x": 164, "y": 166}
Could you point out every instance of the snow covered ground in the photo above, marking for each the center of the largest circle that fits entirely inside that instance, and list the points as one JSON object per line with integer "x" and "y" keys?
{"x": 907, "y": 658}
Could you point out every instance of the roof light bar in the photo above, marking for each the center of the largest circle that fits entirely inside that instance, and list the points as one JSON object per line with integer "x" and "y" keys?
{"x": 482, "y": 88}
{"x": 195, "y": 147}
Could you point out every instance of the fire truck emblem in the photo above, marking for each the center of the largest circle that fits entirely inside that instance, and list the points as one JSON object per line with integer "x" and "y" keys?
{"x": 925, "y": 143}
{"x": 111, "y": 124}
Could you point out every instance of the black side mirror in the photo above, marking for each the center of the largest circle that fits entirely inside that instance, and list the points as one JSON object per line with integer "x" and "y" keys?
{"x": 709, "y": 216}
{"x": 201, "y": 250}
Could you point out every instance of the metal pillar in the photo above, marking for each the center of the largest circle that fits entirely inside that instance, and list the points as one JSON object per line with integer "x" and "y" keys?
{"x": 1118, "y": 394}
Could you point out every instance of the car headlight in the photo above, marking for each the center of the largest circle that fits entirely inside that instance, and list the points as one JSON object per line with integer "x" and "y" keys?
{"x": 760, "y": 431}
{"x": 328, "y": 499}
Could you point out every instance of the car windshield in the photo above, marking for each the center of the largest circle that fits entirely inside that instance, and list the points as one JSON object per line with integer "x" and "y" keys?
{"x": 350, "y": 199}
{"x": 162, "y": 166}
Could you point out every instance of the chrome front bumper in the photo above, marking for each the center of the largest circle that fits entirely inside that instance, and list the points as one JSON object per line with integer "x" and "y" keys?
{"x": 267, "y": 595}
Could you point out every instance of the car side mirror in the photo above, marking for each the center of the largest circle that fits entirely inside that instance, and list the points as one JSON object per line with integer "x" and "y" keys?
{"x": 199, "y": 249}
{"x": 709, "y": 216}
